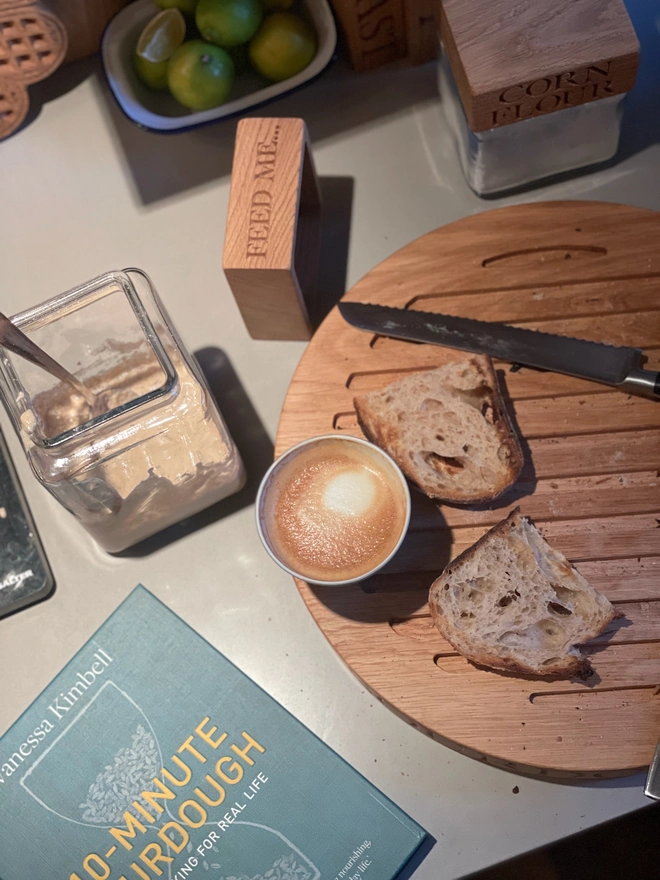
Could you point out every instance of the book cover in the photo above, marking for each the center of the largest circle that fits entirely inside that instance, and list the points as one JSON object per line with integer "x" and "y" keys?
{"x": 152, "y": 756}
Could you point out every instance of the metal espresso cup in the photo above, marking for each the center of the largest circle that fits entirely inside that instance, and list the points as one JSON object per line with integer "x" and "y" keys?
{"x": 367, "y": 455}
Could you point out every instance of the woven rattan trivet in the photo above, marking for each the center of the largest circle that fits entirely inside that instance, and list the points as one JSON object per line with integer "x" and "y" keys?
{"x": 33, "y": 43}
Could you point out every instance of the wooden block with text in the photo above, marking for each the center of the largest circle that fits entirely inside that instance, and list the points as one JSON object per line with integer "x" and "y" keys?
{"x": 272, "y": 240}
{"x": 374, "y": 30}
{"x": 545, "y": 57}
{"x": 421, "y": 30}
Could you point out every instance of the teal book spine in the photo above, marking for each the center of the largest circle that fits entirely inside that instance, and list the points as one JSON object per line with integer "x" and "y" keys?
{"x": 152, "y": 756}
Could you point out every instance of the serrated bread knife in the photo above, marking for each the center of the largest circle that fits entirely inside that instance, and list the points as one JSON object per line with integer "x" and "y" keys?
{"x": 609, "y": 364}
{"x": 652, "y": 787}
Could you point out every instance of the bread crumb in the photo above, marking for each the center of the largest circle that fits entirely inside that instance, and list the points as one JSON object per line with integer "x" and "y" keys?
{"x": 515, "y": 789}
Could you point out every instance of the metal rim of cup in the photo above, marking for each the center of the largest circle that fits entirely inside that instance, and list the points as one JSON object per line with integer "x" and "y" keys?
{"x": 279, "y": 462}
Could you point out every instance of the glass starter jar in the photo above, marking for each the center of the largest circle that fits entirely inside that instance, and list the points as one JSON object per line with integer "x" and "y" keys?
{"x": 153, "y": 448}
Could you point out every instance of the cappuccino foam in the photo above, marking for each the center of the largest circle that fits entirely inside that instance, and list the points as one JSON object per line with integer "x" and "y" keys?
{"x": 333, "y": 511}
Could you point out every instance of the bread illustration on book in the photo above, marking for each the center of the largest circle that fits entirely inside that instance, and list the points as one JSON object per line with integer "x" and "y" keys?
{"x": 512, "y": 602}
{"x": 448, "y": 431}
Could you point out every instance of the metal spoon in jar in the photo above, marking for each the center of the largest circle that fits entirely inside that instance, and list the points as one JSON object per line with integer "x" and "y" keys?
{"x": 15, "y": 340}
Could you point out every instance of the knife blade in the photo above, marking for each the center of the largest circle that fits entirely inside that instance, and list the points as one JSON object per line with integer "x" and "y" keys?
{"x": 612, "y": 365}
{"x": 652, "y": 787}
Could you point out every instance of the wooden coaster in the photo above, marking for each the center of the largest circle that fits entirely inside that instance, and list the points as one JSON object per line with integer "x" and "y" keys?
{"x": 590, "y": 483}
{"x": 14, "y": 105}
{"x": 33, "y": 44}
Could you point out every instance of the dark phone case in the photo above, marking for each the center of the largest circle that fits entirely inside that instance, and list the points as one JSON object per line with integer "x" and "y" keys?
{"x": 25, "y": 576}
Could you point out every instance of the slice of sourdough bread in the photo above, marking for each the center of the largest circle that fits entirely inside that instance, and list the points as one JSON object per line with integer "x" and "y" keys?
{"x": 513, "y": 602}
{"x": 448, "y": 431}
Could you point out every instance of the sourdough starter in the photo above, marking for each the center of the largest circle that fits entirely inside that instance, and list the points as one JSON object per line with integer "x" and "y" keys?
{"x": 147, "y": 468}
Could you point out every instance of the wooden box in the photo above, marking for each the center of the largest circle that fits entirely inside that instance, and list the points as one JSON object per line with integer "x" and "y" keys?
{"x": 374, "y": 30}
{"x": 516, "y": 61}
{"x": 422, "y": 30}
{"x": 272, "y": 239}
{"x": 85, "y": 21}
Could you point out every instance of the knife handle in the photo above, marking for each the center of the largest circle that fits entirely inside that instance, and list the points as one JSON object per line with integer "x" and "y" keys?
{"x": 644, "y": 382}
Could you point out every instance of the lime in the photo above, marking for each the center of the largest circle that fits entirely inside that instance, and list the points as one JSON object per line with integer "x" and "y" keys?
{"x": 151, "y": 73}
{"x": 161, "y": 35}
{"x": 200, "y": 75}
{"x": 186, "y": 6}
{"x": 283, "y": 46}
{"x": 228, "y": 22}
{"x": 276, "y": 5}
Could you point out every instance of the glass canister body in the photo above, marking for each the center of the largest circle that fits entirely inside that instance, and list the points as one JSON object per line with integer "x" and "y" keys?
{"x": 521, "y": 153}
{"x": 153, "y": 449}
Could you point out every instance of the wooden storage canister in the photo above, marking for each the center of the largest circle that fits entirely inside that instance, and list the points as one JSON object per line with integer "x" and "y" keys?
{"x": 85, "y": 21}
{"x": 534, "y": 89}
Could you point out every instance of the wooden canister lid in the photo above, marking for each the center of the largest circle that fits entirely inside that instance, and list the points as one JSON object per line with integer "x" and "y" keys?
{"x": 515, "y": 59}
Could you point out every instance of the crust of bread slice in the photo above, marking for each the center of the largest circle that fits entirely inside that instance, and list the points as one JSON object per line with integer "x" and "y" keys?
{"x": 448, "y": 430}
{"x": 513, "y": 602}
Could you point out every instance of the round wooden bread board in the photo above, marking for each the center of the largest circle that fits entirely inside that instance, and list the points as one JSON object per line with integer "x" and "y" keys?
{"x": 591, "y": 483}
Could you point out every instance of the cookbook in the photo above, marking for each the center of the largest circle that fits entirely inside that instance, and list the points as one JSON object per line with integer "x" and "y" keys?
{"x": 152, "y": 756}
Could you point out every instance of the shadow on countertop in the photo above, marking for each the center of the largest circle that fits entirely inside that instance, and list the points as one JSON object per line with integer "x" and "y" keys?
{"x": 641, "y": 119}
{"x": 164, "y": 165}
{"x": 623, "y": 849}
